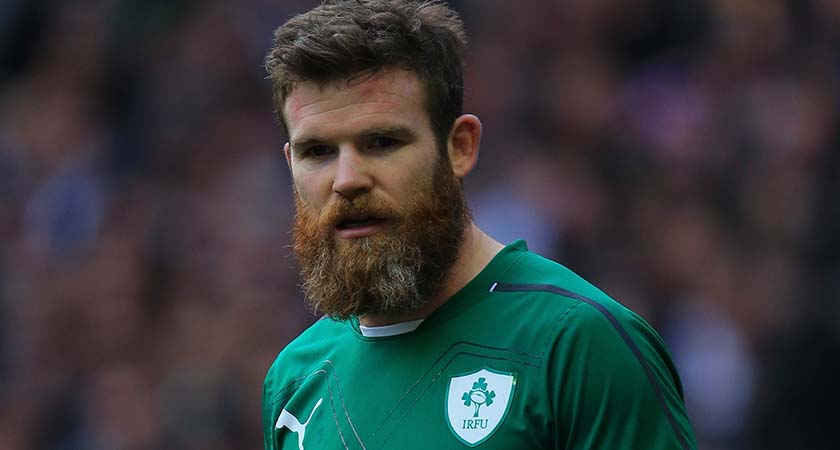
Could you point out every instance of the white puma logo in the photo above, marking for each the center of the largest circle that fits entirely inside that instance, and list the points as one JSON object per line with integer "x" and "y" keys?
{"x": 291, "y": 422}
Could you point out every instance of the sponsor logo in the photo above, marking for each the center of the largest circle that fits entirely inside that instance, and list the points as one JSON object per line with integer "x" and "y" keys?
{"x": 291, "y": 422}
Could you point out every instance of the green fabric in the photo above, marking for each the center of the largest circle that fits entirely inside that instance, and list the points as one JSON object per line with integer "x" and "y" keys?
{"x": 574, "y": 381}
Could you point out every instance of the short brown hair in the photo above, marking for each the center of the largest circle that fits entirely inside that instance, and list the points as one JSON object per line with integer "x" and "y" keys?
{"x": 341, "y": 39}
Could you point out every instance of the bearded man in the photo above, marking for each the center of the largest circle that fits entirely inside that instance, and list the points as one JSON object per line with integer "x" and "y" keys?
{"x": 434, "y": 335}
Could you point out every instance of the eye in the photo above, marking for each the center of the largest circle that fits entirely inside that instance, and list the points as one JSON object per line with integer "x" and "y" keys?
{"x": 316, "y": 151}
{"x": 383, "y": 143}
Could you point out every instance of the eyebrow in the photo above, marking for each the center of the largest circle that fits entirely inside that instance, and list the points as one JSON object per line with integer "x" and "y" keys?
{"x": 398, "y": 131}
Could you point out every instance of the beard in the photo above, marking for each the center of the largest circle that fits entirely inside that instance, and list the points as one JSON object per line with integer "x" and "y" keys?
{"x": 397, "y": 270}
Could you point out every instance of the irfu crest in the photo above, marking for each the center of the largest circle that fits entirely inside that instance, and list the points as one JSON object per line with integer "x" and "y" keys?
{"x": 478, "y": 395}
{"x": 477, "y": 404}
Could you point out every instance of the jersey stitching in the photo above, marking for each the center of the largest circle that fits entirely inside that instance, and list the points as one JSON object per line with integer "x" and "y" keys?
{"x": 510, "y": 267}
{"x": 556, "y": 328}
{"x": 279, "y": 396}
{"x": 435, "y": 377}
{"x": 628, "y": 340}
{"x": 335, "y": 414}
{"x": 487, "y": 293}
{"x": 329, "y": 374}
{"x": 344, "y": 404}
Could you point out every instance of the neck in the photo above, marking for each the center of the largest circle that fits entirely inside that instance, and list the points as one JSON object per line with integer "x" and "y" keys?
{"x": 477, "y": 249}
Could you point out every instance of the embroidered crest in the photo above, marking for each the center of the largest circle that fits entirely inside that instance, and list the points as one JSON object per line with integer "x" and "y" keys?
{"x": 477, "y": 403}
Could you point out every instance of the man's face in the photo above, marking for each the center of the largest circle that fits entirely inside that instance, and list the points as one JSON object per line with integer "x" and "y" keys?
{"x": 380, "y": 215}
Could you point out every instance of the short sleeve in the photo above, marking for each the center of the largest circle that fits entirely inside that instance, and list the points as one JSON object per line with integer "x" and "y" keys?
{"x": 614, "y": 384}
{"x": 267, "y": 407}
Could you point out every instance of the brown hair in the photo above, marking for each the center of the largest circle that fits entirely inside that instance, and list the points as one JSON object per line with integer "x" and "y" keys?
{"x": 342, "y": 39}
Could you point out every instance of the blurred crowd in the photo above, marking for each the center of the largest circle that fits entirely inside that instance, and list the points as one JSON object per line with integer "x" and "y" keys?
{"x": 682, "y": 155}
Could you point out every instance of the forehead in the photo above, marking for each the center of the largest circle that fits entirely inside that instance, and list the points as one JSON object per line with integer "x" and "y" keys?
{"x": 394, "y": 97}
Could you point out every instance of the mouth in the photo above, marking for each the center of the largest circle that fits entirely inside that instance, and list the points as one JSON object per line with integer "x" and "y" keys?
{"x": 358, "y": 227}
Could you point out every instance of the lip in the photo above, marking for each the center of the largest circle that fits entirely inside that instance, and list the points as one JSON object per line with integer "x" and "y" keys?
{"x": 361, "y": 232}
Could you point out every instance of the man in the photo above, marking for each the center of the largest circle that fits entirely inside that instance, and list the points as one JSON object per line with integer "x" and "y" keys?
{"x": 435, "y": 336}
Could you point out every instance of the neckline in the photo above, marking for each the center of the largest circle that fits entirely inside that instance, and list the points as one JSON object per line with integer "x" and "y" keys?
{"x": 467, "y": 296}
{"x": 390, "y": 330}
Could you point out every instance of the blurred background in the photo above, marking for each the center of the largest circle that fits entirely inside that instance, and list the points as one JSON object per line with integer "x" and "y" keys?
{"x": 682, "y": 155}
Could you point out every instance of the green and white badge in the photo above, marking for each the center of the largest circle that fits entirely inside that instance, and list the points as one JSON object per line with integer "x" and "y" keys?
{"x": 477, "y": 403}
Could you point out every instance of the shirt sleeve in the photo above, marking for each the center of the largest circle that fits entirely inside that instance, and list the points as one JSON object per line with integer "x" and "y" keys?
{"x": 614, "y": 384}
{"x": 267, "y": 417}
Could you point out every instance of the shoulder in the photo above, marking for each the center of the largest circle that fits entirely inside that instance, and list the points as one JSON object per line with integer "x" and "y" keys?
{"x": 552, "y": 286}
{"x": 304, "y": 352}
{"x": 601, "y": 355}
{"x": 558, "y": 300}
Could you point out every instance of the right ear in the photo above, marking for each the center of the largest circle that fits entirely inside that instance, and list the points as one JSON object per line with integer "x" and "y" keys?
{"x": 287, "y": 150}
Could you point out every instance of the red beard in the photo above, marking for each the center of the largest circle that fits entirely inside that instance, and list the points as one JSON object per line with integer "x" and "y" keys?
{"x": 396, "y": 270}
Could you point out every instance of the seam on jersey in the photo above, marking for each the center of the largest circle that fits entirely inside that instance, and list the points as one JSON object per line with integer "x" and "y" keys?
{"x": 295, "y": 383}
{"x": 487, "y": 292}
{"x": 443, "y": 362}
{"x": 622, "y": 332}
{"x": 556, "y": 328}
{"x": 510, "y": 266}
{"x": 431, "y": 382}
{"x": 329, "y": 374}
{"x": 287, "y": 390}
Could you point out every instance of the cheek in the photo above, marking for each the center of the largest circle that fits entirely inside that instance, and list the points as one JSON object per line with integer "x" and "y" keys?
{"x": 418, "y": 178}
{"x": 312, "y": 189}
{"x": 306, "y": 209}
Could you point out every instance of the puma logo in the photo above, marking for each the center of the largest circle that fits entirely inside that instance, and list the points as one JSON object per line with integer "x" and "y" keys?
{"x": 291, "y": 422}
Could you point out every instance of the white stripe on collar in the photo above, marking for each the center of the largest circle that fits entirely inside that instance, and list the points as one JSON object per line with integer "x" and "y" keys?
{"x": 390, "y": 330}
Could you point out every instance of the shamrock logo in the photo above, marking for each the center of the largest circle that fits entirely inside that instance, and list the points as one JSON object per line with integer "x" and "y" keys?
{"x": 478, "y": 395}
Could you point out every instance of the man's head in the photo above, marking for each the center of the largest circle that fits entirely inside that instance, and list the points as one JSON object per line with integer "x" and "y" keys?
{"x": 345, "y": 39}
{"x": 380, "y": 212}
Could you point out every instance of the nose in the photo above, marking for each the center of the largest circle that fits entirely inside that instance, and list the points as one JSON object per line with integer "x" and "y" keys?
{"x": 352, "y": 176}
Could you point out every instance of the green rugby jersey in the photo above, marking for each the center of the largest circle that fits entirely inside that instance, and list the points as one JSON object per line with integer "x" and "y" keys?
{"x": 526, "y": 356}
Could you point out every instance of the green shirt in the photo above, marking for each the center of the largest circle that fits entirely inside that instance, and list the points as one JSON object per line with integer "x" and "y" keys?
{"x": 527, "y": 355}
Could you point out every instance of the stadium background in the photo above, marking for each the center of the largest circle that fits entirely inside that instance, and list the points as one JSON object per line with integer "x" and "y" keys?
{"x": 683, "y": 155}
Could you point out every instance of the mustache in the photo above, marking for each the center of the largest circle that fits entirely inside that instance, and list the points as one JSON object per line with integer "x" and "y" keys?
{"x": 359, "y": 208}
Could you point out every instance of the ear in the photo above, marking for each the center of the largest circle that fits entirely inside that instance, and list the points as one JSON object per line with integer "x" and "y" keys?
{"x": 287, "y": 150}
{"x": 464, "y": 140}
